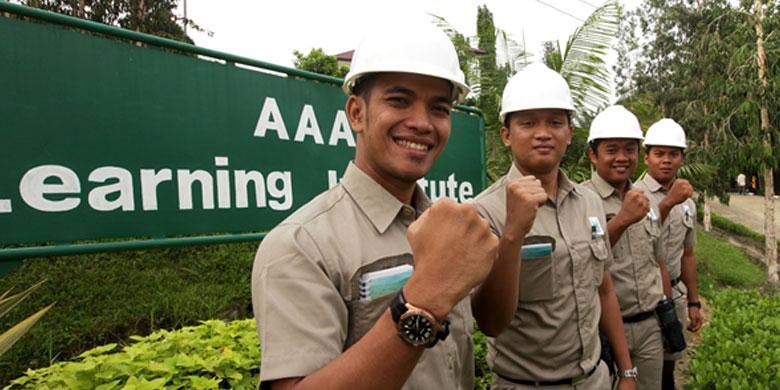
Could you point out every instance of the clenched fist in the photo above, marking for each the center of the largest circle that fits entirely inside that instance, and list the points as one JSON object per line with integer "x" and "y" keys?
{"x": 524, "y": 196}
{"x": 454, "y": 249}
{"x": 635, "y": 206}
{"x": 679, "y": 192}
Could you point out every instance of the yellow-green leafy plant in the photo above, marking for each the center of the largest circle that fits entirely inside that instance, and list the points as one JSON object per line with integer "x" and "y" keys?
{"x": 212, "y": 355}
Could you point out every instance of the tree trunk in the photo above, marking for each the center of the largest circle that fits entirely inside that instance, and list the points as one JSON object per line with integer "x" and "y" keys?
{"x": 707, "y": 212}
{"x": 81, "y": 8}
{"x": 769, "y": 182}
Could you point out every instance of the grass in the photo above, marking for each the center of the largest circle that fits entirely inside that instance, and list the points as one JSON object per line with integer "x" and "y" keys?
{"x": 105, "y": 298}
{"x": 721, "y": 264}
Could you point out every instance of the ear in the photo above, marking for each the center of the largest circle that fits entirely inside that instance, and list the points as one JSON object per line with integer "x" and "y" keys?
{"x": 505, "y": 136}
{"x": 571, "y": 132}
{"x": 646, "y": 154}
{"x": 356, "y": 113}
{"x": 592, "y": 155}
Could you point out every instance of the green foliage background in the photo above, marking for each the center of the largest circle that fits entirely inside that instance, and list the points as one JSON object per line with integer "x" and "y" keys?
{"x": 105, "y": 298}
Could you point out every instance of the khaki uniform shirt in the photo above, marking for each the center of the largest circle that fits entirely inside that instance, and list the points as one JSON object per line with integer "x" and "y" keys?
{"x": 305, "y": 285}
{"x": 554, "y": 333}
{"x": 678, "y": 231}
{"x": 635, "y": 271}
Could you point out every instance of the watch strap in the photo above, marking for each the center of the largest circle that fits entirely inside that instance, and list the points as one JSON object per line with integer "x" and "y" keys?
{"x": 398, "y": 306}
{"x": 630, "y": 373}
{"x": 696, "y": 304}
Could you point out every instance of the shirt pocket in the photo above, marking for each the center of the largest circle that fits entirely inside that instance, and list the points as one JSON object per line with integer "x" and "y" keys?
{"x": 536, "y": 269}
{"x": 363, "y": 313}
{"x": 600, "y": 254}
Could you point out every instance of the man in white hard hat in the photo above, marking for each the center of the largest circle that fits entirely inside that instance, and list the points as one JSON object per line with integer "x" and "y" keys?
{"x": 633, "y": 223}
{"x": 559, "y": 254}
{"x": 665, "y": 145}
{"x": 320, "y": 278}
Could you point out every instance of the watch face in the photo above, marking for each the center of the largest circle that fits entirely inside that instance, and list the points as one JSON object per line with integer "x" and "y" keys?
{"x": 417, "y": 330}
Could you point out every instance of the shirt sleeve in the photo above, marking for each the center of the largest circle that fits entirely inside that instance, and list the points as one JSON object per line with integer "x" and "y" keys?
{"x": 301, "y": 316}
{"x": 690, "y": 234}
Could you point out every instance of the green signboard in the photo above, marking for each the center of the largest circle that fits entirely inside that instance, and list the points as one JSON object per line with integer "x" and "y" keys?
{"x": 108, "y": 138}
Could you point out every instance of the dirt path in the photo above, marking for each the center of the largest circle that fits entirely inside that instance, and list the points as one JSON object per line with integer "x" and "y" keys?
{"x": 694, "y": 340}
{"x": 747, "y": 210}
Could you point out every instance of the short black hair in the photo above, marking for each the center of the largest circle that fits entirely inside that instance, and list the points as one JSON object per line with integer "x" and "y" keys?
{"x": 362, "y": 86}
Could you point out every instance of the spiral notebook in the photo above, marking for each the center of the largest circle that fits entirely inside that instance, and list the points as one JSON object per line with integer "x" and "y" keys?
{"x": 387, "y": 281}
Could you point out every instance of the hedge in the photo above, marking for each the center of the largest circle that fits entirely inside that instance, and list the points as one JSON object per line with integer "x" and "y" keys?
{"x": 741, "y": 348}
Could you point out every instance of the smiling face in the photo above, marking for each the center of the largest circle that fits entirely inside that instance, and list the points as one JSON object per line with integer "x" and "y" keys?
{"x": 615, "y": 159}
{"x": 663, "y": 162}
{"x": 538, "y": 139}
{"x": 402, "y": 123}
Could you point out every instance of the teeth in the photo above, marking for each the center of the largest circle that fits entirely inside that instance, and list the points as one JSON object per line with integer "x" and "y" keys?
{"x": 411, "y": 145}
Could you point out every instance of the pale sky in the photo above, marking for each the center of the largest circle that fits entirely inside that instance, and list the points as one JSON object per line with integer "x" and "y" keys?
{"x": 270, "y": 30}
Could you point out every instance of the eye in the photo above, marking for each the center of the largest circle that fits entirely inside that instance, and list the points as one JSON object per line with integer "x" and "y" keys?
{"x": 397, "y": 100}
{"x": 442, "y": 109}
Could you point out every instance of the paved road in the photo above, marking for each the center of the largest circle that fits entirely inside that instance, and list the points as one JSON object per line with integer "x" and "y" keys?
{"x": 747, "y": 210}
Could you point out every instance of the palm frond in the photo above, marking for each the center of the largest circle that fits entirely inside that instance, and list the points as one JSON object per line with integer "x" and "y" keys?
{"x": 583, "y": 60}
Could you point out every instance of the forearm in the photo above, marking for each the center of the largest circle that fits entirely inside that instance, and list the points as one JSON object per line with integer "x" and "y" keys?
{"x": 689, "y": 275}
{"x": 616, "y": 227}
{"x": 495, "y": 300}
{"x": 665, "y": 280}
{"x": 611, "y": 323}
{"x": 664, "y": 208}
{"x": 379, "y": 360}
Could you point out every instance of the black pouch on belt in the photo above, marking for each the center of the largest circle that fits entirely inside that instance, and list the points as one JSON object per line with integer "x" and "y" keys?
{"x": 606, "y": 355}
{"x": 671, "y": 328}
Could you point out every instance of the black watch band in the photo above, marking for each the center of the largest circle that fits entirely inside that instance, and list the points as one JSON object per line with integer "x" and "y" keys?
{"x": 398, "y": 308}
{"x": 695, "y": 304}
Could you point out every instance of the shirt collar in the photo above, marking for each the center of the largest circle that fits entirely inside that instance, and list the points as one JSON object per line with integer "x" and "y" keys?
{"x": 603, "y": 188}
{"x": 379, "y": 205}
{"x": 653, "y": 184}
{"x": 565, "y": 186}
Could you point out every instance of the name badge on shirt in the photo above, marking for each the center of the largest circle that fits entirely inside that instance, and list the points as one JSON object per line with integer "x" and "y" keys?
{"x": 687, "y": 211}
{"x": 595, "y": 228}
{"x": 651, "y": 215}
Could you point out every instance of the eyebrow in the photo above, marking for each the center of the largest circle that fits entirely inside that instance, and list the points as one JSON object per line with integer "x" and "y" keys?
{"x": 409, "y": 92}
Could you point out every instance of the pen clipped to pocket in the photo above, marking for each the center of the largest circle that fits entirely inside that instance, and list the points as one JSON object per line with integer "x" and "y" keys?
{"x": 387, "y": 281}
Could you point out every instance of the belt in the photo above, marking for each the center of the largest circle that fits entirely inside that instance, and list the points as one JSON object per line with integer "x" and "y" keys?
{"x": 675, "y": 281}
{"x": 566, "y": 381}
{"x": 638, "y": 317}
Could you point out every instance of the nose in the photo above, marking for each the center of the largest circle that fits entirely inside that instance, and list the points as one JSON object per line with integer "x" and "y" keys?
{"x": 419, "y": 118}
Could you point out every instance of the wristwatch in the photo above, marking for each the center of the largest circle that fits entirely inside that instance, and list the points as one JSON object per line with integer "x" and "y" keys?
{"x": 417, "y": 326}
{"x": 694, "y": 304}
{"x": 631, "y": 373}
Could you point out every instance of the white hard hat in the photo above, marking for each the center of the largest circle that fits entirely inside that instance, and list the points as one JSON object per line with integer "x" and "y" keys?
{"x": 535, "y": 87}
{"x": 413, "y": 47}
{"x": 666, "y": 132}
{"x": 615, "y": 122}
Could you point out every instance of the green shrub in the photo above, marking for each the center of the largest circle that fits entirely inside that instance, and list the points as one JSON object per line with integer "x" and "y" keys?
{"x": 741, "y": 348}
{"x": 482, "y": 374}
{"x": 722, "y": 264}
{"x": 104, "y": 298}
{"x": 212, "y": 355}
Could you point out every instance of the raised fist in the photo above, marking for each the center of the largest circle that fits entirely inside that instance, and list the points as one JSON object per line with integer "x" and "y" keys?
{"x": 679, "y": 192}
{"x": 635, "y": 206}
{"x": 454, "y": 250}
{"x": 523, "y": 197}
